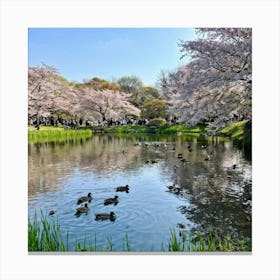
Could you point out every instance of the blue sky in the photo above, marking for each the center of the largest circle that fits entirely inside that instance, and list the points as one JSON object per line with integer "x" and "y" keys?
{"x": 84, "y": 53}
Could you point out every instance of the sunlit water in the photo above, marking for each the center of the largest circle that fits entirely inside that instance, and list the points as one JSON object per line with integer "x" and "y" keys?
{"x": 213, "y": 195}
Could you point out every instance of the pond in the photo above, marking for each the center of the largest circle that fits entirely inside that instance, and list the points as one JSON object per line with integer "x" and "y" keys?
{"x": 212, "y": 187}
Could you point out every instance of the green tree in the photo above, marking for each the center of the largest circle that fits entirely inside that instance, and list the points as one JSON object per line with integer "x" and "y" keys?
{"x": 154, "y": 108}
{"x": 148, "y": 93}
{"x": 133, "y": 86}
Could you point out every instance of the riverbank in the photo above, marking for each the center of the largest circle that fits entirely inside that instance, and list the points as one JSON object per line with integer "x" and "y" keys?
{"x": 164, "y": 129}
{"x": 238, "y": 131}
{"x": 46, "y": 236}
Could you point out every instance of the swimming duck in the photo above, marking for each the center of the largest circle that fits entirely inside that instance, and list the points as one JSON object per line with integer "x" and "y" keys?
{"x": 183, "y": 160}
{"x": 174, "y": 188}
{"x": 207, "y": 158}
{"x": 234, "y": 166}
{"x": 113, "y": 200}
{"x": 181, "y": 226}
{"x": 87, "y": 198}
{"x": 203, "y": 146}
{"x": 52, "y": 212}
{"x": 105, "y": 216}
{"x": 123, "y": 188}
{"x": 180, "y": 155}
{"x": 83, "y": 209}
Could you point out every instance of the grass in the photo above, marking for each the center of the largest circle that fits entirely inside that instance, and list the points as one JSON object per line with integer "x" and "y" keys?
{"x": 56, "y": 134}
{"x": 46, "y": 236}
{"x": 236, "y": 130}
{"x": 164, "y": 129}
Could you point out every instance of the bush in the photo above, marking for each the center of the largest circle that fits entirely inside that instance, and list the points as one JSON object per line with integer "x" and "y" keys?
{"x": 157, "y": 122}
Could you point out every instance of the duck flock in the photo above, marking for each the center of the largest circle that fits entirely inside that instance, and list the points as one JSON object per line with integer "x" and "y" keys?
{"x": 84, "y": 209}
{"x": 175, "y": 188}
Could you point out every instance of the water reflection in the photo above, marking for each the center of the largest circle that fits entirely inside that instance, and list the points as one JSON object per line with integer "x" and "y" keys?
{"x": 213, "y": 194}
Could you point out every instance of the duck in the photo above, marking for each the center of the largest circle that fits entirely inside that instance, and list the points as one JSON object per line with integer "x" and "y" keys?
{"x": 87, "y": 198}
{"x": 174, "y": 188}
{"x": 113, "y": 200}
{"x": 105, "y": 216}
{"x": 183, "y": 160}
{"x": 123, "y": 188}
{"x": 180, "y": 155}
{"x": 52, "y": 212}
{"x": 234, "y": 166}
{"x": 190, "y": 149}
{"x": 207, "y": 158}
{"x": 203, "y": 146}
{"x": 181, "y": 226}
{"x": 154, "y": 161}
{"x": 81, "y": 210}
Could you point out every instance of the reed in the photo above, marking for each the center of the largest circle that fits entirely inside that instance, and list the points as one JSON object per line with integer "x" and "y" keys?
{"x": 41, "y": 136}
{"x": 46, "y": 236}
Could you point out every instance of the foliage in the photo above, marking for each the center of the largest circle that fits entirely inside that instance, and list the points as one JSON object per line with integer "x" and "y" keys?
{"x": 105, "y": 104}
{"x": 100, "y": 84}
{"x": 49, "y": 93}
{"x": 57, "y": 135}
{"x": 154, "y": 108}
{"x": 217, "y": 83}
{"x": 52, "y": 95}
{"x": 132, "y": 86}
{"x": 235, "y": 130}
{"x": 157, "y": 122}
{"x": 147, "y": 93}
{"x": 46, "y": 236}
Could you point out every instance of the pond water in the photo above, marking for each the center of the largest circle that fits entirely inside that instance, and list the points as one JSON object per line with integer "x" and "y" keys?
{"x": 214, "y": 194}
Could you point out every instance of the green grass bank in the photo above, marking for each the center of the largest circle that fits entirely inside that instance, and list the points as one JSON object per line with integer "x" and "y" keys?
{"x": 56, "y": 134}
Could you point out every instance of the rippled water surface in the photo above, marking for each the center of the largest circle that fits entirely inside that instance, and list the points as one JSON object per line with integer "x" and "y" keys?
{"x": 214, "y": 194}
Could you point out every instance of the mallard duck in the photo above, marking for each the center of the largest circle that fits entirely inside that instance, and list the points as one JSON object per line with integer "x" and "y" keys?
{"x": 154, "y": 161}
{"x": 203, "y": 146}
{"x": 180, "y": 156}
{"x": 105, "y": 216}
{"x": 87, "y": 198}
{"x": 113, "y": 200}
{"x": 234, "y": 166}
{"x": 207, "y": 158}
{"x": 123, "y": 188}
{"x": 52, "y": 212}
{"x": 83, "y": 209}
{"x": 181, "y": 226}
{"x": 174, "y": 188}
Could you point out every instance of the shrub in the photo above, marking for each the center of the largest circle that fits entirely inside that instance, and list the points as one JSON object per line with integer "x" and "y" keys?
{"x": 157, "y": 122}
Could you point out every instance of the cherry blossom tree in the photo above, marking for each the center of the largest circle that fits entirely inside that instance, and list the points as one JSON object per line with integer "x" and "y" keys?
{"x": 49, "y": 93}
{"x": 217, "y": 82}
{"x": 105, "y": 104}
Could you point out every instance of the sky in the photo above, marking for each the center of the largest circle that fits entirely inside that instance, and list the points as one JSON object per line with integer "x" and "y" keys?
{"x": 108, "y": 53}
